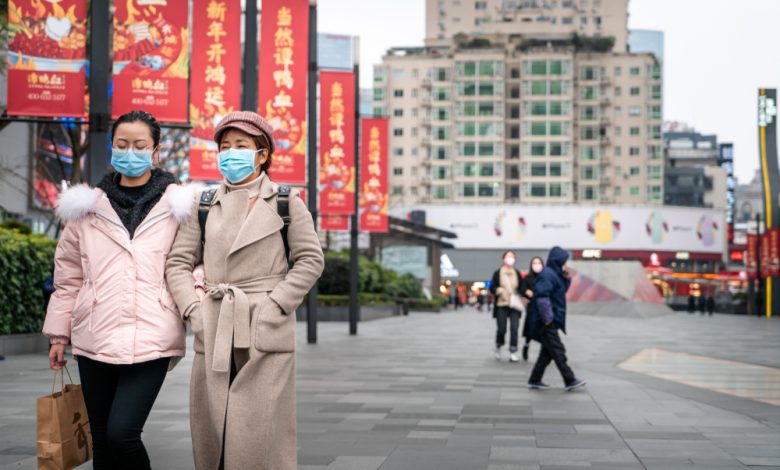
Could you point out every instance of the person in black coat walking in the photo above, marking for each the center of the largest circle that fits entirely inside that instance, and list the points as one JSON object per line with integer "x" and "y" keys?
{"x": 527, "y": 291}
{"x": 550, "y": 316}
{"x": 504, "y": 286}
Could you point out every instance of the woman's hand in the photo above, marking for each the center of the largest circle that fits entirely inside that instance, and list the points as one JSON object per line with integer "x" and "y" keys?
{"x": 201, "y": 293}
{"x": 529, "y": 293}
{"x": 57, "y": 356}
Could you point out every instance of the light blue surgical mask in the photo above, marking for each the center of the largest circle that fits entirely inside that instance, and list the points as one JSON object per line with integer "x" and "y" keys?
{"x": 237, "y": 164}
{"x": 132, "y": 163}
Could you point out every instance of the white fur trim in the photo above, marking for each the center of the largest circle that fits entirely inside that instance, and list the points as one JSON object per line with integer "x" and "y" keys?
{"x": 181, "y": 200}
{"x": 76, "y": 202}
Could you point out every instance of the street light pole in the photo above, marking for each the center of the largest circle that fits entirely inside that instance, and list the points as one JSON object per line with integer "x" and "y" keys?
{"x": 99, "y": 81}
{"x": 311, "y": 302}
{"x": 354, "y": 266}
{"x": 758, "y": 265}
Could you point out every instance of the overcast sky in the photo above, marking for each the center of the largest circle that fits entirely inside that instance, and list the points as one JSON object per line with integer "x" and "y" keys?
{"x": 717, "y": 54}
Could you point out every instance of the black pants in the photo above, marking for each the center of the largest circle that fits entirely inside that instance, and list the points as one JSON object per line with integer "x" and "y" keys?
{"x": 119, "y": 399}
{"x": 552, "y": 350}
{"x": 502, "y": 315}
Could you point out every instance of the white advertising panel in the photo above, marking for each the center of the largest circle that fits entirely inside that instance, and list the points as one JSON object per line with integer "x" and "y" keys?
{"x": 654, "y": 228}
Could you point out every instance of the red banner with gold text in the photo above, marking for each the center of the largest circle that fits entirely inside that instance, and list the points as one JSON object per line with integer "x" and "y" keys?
{"x": 751, "y": 261}
{"x": 373, "y": 175}
{"x": 47, "y": 58}
{"x": 151, "y": 58}
{"x": 216, "y": 79}
{"x": 337, "y": 143}
{"x": 284, "y": 59}
{"x": 334, "y": 223}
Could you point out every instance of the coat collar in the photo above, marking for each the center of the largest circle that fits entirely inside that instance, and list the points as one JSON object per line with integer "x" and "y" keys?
{"x": 268, "y": 189}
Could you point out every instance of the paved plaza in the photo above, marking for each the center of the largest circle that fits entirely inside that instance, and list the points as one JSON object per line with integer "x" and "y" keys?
{"x": 423, "y": 392}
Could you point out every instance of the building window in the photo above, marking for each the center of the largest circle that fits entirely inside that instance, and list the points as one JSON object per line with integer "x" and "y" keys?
{"x": 539, "y": 67}
{"x": 486, "y": 109}
{"x": 488, "y": 189}
{"x": 538, "y": 169}
{"x": 589, "y": 93}
{"x": 634, "y": 71}
{"x": 633, "y": 191}
{"x": 442, "y": 153}
{"x": 398, "y": 191}
{"x": 487, "y": 68}
{"x": 618, "y": 131}
{"x": 414, "y": 112}
{"x": 514, "y": 191}
{"x": 634, "y": 171}
{"x": 588, "y": 133}
{"x": 618, "y": 71}
{"x": 441, "y": 192}
{"x": 555, "y": 190}
{"x": 480, "y": 5}
{"x": 655, "y": 92}
{"x": 414, "y": 132}
{"x": 538, "y": 190}
{"x": 555, "y": 169}
{"x": 654, "y": 132}
{"x": 634, "y": 111}
{"x": 633, "y": 151}
{"x": 398, "y": 132}
{"x": 486, "y": 89}
{"x": 398, "y": 93}
{"x": 618, "y": 151}
{"x": 486, "y": 149}
{"x": 654, "y": 172}
{"x": 514, "y": 172}
{"x": 618, "y": 91}
{"x": 398, "y": 171}
{"x": 538, "y": 149}
{"x": 655, "y": 111}
{"x": 398, "y": 152}
{"x": 567, "y": 20}
{"x": 398, "y": 112}
{"x": 654, "y": 193}
{"x": 414, "y": 93}
{"x": 655, "y": 152}
{"x": 618, "y": 191}
{"x": 538, "y": 128}
{"x": 634, "y": 131}
{"x": 588, "y": 193}
{"x": 558, "y": 149}
{"x": 635, "y": 90}
{"x": 588, "y": 73}
{"x": 588, "y": 173}
{"x": 468, "y": 69}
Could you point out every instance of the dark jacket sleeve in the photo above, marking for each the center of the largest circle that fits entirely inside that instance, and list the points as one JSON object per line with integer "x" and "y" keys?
{"x": 494, "y": 283}
{"x": 526, "y": 285}
{"x": 543, "y": 289}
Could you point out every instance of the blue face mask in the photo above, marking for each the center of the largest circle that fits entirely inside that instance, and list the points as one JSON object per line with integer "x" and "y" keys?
{"x": 132, "y": 163}
{"x": 236, "y": 164}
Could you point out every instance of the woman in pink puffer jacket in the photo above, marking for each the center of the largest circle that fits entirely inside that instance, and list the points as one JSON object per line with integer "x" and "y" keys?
{"x": 111, "y": 301}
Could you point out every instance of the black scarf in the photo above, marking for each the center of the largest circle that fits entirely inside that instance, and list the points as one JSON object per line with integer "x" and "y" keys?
{"x": 132, "y": 205}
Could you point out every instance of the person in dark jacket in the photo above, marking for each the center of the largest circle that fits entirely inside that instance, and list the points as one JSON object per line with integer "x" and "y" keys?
{"x": 527, "y": 290}
{"x": 550, "y": 316}
{"x": 702, "y": 304}
{"x": 506, "y": 282}
{"x": 710, "y": 305}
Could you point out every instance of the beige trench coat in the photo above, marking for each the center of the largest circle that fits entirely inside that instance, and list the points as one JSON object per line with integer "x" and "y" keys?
{"x": 249, "y": 312}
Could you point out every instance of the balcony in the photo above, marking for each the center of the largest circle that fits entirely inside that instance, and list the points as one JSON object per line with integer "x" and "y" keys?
{"x": 605, "y": 81}
{"x": 605, "y": 180}
{"x": 426, "y": 122}
{"x": 425, "y": 180}
{"x": 426, "y": 141}
{"x": 426, "y": 83}
{"x": 605, "y": 161}
{"x": 604, "y": 141}
{"x": 605, "y": 121}
{"x": 605, "y": 102}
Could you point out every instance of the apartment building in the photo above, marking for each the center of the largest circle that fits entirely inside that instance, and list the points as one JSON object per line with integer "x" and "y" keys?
{"x": 523, "y": 111}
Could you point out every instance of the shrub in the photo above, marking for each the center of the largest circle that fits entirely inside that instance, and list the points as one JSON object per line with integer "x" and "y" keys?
{"x": 25, "y": 262}
{"x": 373, "y": 279}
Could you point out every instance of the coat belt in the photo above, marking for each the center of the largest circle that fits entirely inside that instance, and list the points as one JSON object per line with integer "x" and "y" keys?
{"x": 233, "y": 324}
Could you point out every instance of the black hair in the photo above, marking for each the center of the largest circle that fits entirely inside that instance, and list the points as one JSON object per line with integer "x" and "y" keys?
{"x": 534, "y": 259}
{"x": 139, "y": 116}
{"x": 508, "y": 252}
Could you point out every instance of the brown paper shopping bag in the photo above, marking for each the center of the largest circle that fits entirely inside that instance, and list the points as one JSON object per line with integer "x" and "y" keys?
{"x": 64, "y": 437}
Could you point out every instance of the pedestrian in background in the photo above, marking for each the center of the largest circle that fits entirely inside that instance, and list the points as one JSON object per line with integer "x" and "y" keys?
{"x": 550, "y": 316}
{"x": 505, "y": 286}
{"x": 702, "y": 303}
{"x": 527, "y": 289}
{"x": 111, "y": 302}
{"x": 710, "y": 304}
{"x": 242, "y": 394}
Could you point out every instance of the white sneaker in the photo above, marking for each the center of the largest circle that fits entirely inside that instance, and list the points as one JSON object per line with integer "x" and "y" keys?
{"x": 498, "y": 354}
{"x": 513, "y": 357}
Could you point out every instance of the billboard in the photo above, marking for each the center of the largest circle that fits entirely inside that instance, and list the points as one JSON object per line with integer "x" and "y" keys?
{"x": 337, "y": 143}
{"x": 151, "y": 59}
{"x": 284, "y": 64}
{"x": 47, "y": 58}
{"x": 216, "y": 79}
{"x": 373, "y": 175}
{"x": 579, "y": 227}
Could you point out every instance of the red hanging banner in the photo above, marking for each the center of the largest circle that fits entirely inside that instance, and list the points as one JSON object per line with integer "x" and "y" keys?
{"x": 334, "y": 223}
{"x": 151, "y": 58}
{"x": 770, "y": 263}
{"x": 284, "y": 63}
{"x": 337, "y": 143}
{"x": 216, "y": 79}
{"x": 373, "y": 175}
{"x": 751, "y": 263}
{"x": 47, "y": 58}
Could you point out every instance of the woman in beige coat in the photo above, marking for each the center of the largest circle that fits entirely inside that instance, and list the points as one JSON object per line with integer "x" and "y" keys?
{"x": 242, "y": 391}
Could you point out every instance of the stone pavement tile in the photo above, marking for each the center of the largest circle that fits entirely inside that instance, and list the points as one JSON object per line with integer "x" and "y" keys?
{"x": 562, "y": 456}
{"x": 760, "y": 461}
{"x": 579, "y": 441}
{"x": 405, "y": 458}
{"x": 677, "y": 448}
{"x": 356, "y": 463}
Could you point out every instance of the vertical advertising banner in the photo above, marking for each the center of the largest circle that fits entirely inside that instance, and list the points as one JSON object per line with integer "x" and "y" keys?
{"x": 216, "y": 79}
{"x": 284, "y": 63}
{"x": 151, "y": 58}
{"x": 334, "y": 223}
{"x": 770, "y": 262}
{"x": 47, "y": 58}
{"x": 373, "y": 175}
{"x": 337, "y": 143}
{"x": 751, "y": 263}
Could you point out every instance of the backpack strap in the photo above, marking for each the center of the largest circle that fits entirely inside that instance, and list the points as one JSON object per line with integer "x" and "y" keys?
{"x": 283, "y": 209}
{"x": 206, "y": 198}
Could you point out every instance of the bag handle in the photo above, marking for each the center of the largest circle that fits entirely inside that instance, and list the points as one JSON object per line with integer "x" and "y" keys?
{"x": 62, "y": 379}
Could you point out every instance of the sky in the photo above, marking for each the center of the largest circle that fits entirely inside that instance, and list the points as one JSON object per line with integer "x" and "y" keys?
{"x": 717, "y": 53}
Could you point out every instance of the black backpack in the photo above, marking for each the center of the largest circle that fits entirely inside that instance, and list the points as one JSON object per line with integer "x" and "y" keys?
{"x": 282, "y": 208}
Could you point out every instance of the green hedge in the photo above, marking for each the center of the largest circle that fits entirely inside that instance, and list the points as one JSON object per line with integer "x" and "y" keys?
{"x": 373, "y": 278}
{"x": 25, "y": 262}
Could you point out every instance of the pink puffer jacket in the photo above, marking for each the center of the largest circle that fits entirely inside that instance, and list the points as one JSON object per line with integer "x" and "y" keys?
{"x": 111, "y": 298}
